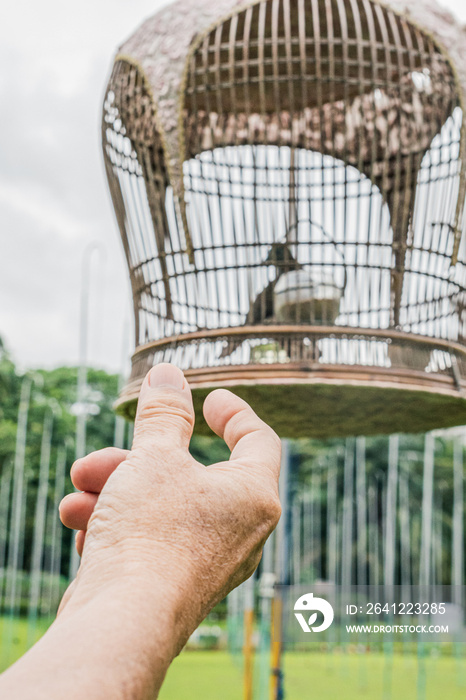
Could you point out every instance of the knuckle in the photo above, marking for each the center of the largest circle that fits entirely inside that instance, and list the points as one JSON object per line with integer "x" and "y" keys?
{"x": 276, "y": 442}
{"x": 268, "y": 510}
{"x": 157, "y": 422}
{"x": 238, "y": 424}
{"x": 174, "y": 409}
{"x": 272, "y": 438}
{"x": 275, "y": 450}
{"x": 275, "y": 511}
{"x": 252, "y": 564}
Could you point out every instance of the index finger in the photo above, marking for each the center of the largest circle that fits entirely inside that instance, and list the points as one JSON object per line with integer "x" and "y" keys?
{"x": 251, "y": 441}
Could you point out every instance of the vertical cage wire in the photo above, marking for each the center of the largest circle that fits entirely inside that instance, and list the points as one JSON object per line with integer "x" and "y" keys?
{"x": 321, "y": 189}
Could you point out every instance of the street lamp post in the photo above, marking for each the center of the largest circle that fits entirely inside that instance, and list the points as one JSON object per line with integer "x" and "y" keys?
{"x": 81, "y": 389}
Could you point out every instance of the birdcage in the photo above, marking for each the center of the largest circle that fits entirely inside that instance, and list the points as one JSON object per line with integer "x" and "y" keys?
{"x": 289, "y": 182}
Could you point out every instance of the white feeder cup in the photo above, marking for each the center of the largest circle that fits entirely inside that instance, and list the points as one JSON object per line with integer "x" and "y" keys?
{"x": 307, "y": 296}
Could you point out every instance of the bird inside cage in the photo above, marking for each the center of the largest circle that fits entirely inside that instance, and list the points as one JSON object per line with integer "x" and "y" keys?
{"x": 305, "y": 296}
{"x": 289, "y": 181}
{"x": 296, "y": 294}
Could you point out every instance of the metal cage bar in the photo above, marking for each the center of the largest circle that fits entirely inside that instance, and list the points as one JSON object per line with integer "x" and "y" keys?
{"x": 320, "y": 158}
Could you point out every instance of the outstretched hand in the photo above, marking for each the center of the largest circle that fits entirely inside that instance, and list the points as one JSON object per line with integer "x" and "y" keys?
{"x": 163, "y": 538}
{"x": 156, "y": 510}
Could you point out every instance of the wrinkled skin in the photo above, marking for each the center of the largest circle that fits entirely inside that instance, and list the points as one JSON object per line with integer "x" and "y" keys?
{"x": 156, "y": 513}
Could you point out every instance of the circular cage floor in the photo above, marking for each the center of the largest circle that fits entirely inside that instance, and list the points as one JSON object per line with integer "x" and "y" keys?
{"x": 324, "y": 410}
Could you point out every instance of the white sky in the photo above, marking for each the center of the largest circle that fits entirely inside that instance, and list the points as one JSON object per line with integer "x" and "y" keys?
{"x": 54, "y": 201}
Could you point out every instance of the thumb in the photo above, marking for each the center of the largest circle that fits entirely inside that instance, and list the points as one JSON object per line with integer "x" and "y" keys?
{"x": 165, "y": 409}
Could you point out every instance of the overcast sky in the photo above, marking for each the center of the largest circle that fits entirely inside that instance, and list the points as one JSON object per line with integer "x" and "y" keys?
{"x": 54, "y": 202}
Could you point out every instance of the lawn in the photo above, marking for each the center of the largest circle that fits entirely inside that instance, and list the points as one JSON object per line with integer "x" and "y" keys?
{"x": 318, "y": 676}
{"x": 14, "y": 634}
{"x": 373, "y": 676}
{"x": 308, "y": 676}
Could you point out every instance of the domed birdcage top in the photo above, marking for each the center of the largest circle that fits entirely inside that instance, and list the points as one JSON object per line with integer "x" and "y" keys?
{"x": 289, "y": 182}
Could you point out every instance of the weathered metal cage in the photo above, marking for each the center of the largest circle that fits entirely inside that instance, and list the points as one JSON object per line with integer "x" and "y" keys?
{"x": 289, "y": 182}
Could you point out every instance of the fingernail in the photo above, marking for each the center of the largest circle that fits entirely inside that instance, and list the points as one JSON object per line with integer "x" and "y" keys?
{"x": 166, "y": 375}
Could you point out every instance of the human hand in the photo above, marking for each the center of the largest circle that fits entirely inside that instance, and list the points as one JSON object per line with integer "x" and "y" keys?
{"x": 156, "y": 514}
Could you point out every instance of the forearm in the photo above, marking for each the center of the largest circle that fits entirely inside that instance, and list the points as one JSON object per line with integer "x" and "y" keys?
{"x": 116, "y": 644}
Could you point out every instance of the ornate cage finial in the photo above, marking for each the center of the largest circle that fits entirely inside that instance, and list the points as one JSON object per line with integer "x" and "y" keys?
{"x": 289, "y": 182}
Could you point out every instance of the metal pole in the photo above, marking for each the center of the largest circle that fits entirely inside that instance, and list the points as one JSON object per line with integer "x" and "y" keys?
{"x": 56, "y": 534}
{"x": 405, "y": 537}
{"x": 18, "y": 485}
{"x": 361, "y": 496}
{"x": 248, "y": 650}
{"x": 266, "y": 589}
{"x": 120, "y": 423}
{"x": 390, "y": 513}
{"x": 5, "y": 488}
{"x": 457, "y": 575}
{"x": 332, "y": 520}
{"x": 81, "y": 389}
{"x": 83, "y": 336}
{"x": 297, "y": 510}
{"x": 281, "y": 564}
{"x": 317, "y": 518}
{"x": 373, "y": 497}
{"x": 426, "y": 548}
{"x": 426, "y": 527}
{"x": 347, "y": 534}
{"x": 39, "y": 526}
{"x": 15, "y": 546}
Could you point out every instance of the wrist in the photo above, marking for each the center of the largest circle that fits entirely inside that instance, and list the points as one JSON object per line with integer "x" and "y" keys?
{"x": 162, "y": 591}
{"x": 123, "y": 636}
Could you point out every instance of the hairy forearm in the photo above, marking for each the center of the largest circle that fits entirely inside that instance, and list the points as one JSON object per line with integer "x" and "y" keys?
{"x": 115, "y": 644}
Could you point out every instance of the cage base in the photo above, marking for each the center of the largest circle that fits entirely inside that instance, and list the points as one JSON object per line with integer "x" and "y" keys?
{"x": 324, "y": 407}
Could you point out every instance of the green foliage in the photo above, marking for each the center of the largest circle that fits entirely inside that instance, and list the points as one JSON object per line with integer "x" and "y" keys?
{"x": 9, "y": 398}
{"x": 312, "y": 460}
{"x": 52, "y": 390}
{"x": 51, "y": 587}
{"x": 209, "y": 450}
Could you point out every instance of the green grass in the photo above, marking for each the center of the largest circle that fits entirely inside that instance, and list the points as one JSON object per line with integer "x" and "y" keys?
{"x": 207, "y": 675}
{"x": 14, "y": 635}
{"x": 308, "y": 676}
{"x": 372, "y": 676}
{"x": 318, "y": 676}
